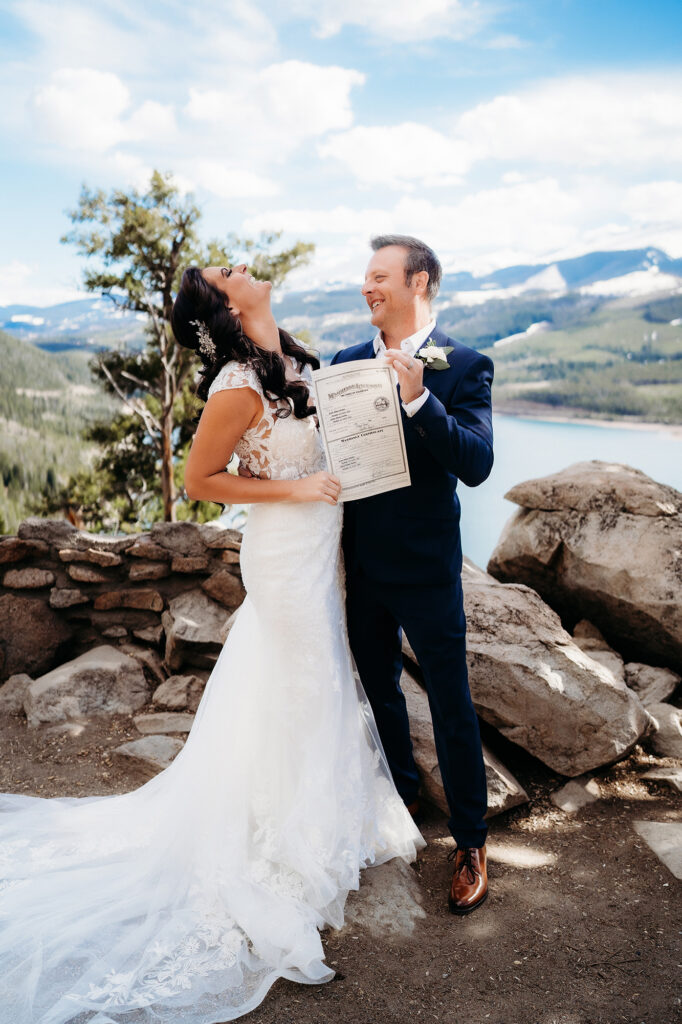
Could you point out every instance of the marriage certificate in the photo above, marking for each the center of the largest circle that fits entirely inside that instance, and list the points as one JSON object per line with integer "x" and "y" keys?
{"x": 359, "y": 414}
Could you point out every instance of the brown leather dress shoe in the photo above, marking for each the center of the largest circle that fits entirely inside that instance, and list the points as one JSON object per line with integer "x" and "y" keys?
{"x": 413, "y": 808}
{"x": 469, "y": 886}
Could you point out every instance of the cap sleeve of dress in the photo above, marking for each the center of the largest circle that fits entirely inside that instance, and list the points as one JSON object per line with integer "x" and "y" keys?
{"x": 235, "y": 375}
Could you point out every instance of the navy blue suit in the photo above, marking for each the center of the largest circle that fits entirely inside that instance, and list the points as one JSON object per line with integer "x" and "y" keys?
{"x": 403, "y": 558}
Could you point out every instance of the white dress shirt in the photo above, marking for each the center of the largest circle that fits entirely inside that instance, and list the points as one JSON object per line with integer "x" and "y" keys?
{"x": 409, "y": 346}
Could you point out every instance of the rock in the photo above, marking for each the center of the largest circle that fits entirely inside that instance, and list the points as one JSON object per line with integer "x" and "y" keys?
{"x": 163, "y": 722}
{"x": 84, "y": 574}
{"x": 652, "y": 685}
{"x": 666, "y": 738}
{"x": 150, "y": 600}
{"x": 57, "y": 532}
{"x": 532, "y": 682}
{"x": 104, "y": 680}
{"x": 225, "y": 587}
{"x": 193, "y": 625}
{"x": 388, "y": 903}
{"x": 148, "y": 571}
{"x": 503, "y": 789}
{"x": 150, "y": 634}
{"x": 576, "y": 794}
{"x": 104, "y": 558}
{"x": 225, "y": 631}
{"x": 665, "y": 839}
{"x": 28, "y": 579}
{"x": 131, "y": 618}
{"x": 179, "y": 693}
{"x": 149, "y": 660}
{"x": 115, "y": 632}
{"x": 13, "y": 549}
{"x": 603, "y": 542}
{"x": 32, "y": 635}
{"x": 191, "y": 563}
{"x": 596, "y": 486}
{"x": 216, "y": 536}
{"x": 64, "y": 597}
{"x": 229, "y": 557}
{"x": 585, "y": 630}
{"x": 179, "y": 538}
{"x": 155, "y": 752}
{"x": 13, "y": 693}
{"x": 673, "y": 776}
{"x": 608, "y": 658}
{"x": 149, "y": 550}
{"x": 109, "y": 543}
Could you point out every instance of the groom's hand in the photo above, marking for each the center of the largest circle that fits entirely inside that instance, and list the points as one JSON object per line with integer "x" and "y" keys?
{"x": 410, "y": 374}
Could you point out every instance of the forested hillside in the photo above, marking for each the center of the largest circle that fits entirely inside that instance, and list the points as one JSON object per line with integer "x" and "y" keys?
{"x": 45, "y": 401}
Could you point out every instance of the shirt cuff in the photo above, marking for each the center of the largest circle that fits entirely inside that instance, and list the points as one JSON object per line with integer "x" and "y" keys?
{"x": 415, "y": 405}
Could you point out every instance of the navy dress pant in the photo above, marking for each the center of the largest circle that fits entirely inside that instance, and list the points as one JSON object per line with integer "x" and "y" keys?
{"x": 433, "y": 619}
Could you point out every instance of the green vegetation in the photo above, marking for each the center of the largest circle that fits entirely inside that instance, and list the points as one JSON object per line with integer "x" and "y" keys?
{"x": 45, "y": 402}
{"x": 621, "y": 363}
{"x": 103, "y": 439}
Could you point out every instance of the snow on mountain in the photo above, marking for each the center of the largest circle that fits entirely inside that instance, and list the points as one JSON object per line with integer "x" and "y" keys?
{"x": 537, "y": 328}
{"x": 548, "y": 280}
{"x": 639, "y": 282}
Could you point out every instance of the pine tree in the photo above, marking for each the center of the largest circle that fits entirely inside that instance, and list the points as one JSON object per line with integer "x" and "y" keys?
{"x": 137, "y": 245}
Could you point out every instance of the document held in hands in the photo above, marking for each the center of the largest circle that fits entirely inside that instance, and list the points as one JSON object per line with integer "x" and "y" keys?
{"x": 359, "y": 414}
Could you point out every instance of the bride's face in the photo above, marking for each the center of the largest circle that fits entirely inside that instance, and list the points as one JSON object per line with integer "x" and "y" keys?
{"x": 244, "y": 293}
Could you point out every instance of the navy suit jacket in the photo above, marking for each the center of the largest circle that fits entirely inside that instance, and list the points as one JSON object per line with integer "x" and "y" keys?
{"x": 411, "y": 535}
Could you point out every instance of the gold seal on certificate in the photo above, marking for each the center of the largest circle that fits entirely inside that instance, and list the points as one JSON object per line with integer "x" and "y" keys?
{"x": 361, "y": 426}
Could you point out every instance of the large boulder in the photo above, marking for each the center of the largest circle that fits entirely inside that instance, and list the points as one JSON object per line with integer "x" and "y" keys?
{"x": 504, "y": 791}
{"x": 104, "y": 680}
{"x": 32, "y": 636}
{"x": 533, "y": 683}
{"x": 602, "y": 541}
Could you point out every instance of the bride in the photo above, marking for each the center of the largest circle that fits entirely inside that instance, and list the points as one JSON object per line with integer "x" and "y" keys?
{"x": 183, "y": 901}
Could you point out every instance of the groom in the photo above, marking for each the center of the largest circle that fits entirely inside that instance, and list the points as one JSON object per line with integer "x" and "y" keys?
{"x": 403, "y": 553}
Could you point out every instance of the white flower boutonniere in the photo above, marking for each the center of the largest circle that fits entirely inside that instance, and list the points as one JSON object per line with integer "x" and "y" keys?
{"x": 433, "y": 356}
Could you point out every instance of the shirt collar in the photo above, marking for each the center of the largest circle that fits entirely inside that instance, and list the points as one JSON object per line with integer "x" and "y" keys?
{"x": 408, "y": 345}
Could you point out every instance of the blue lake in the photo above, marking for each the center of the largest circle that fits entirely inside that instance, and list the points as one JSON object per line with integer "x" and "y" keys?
{"x": 526, "y": 448}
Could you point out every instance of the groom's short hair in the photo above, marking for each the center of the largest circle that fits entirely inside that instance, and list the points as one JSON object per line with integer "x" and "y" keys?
{"x": 419, "y": 257}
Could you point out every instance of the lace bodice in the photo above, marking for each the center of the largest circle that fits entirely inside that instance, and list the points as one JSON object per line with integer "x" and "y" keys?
{"x": 280, "y": 446}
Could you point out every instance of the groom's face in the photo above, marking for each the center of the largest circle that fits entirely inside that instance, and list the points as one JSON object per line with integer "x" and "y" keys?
{"x": 388, "y": 297}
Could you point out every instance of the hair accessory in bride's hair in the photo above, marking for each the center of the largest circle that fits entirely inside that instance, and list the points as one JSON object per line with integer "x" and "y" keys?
{"x": 206, "y": 343}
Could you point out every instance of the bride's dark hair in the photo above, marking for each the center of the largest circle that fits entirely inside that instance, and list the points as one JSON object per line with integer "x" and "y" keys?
{"x": 199, "y": 301}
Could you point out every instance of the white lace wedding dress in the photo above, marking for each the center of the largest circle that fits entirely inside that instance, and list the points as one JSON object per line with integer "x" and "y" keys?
{"x": 183, "y": 901}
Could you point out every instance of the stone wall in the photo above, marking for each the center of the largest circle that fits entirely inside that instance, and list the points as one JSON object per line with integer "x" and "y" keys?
{"x": 63, "y": 591}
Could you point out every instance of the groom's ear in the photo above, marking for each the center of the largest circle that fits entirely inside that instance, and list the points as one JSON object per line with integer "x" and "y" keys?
{"x": 420, "y": 282}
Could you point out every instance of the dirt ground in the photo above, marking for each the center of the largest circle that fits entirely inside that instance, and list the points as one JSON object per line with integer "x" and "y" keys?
{"x": 582, "y": 923}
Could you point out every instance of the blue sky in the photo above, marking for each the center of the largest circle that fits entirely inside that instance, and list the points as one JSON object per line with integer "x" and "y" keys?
{"x": 500, "y": 132}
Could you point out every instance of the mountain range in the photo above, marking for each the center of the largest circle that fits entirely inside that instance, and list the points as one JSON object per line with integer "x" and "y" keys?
{"x": 480, "y": 310}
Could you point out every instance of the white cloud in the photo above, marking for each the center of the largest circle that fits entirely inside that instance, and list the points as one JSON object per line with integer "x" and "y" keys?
{"x": 402, "y": 21}
{"x": 149, "y": 40}
{"x": 85, "y": 109}
{"x": 81, "y": 109}
{"x": 524, "y": 221}
{"x": 655, "y": 202}
{"x": 400, "y": 154}
{"x": 270, "y": 112}
{"x": 23, "y": 284}
{"x": 505, "y": 42}
{"x": 231, "y": 182}
{"x": 597, "y": 120}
